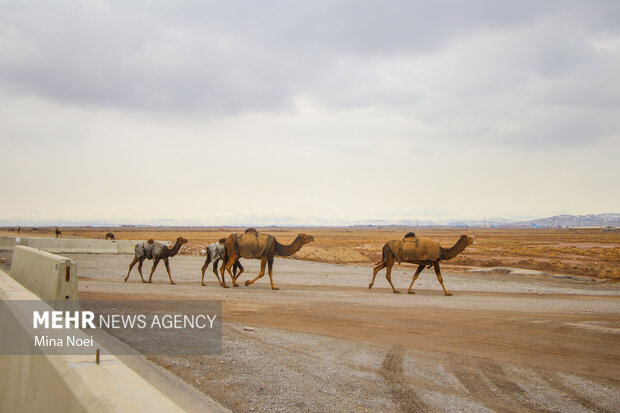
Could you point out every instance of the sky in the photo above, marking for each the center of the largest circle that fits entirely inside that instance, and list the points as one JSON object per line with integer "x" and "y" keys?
{"x": 308, "y": 113}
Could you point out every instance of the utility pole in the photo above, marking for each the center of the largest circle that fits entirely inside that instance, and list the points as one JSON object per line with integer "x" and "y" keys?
{"x": 601, "y": 225}
{"x": 579, "y": 227}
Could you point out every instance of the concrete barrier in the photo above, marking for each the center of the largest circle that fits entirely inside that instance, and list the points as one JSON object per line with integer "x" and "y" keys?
{"x": 127, "y": 247}
{"x": 74, "y": 245}
{"x": 67, "y": 384}
{"x": 49, "y": 276}
{"x": 9, "y": 241}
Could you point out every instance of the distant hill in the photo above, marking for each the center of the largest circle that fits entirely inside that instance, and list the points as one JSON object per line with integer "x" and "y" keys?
{"x": 563, "y": 221}
{"x": 572, "y": 221}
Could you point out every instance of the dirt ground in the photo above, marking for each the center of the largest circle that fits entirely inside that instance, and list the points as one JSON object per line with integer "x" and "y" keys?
{"x": 557, "y": 251}
{"x": 324, "y": 342}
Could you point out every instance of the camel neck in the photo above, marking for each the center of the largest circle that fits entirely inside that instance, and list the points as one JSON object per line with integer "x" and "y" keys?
{"x": 449, "y": 253}
{"x": 292, "y": 248}
{"x": 175, "y": 249}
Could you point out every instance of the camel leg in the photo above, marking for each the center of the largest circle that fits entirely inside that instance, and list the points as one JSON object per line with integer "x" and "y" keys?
{"x": 415, "y": 277}
{"x": 227, "y": 267}
{"x": 153, "y": 269}
{"x": 140, "y": 268}
{"x": 270, "y": 269}
{"x": 235, "y": 268}
{"x": 388, "y": 273}
{"x": 225, "y": 263}
{"x": 167, "y": 264}
{"x": 204, "y": 268}
{"x": 215, "y": 264}
{"x": 378, "y": 268}
{"x": 238, "y": 267}
{"x": 233, "y": 276}
{"x": 438, "y": 273}
{"x": 135, "y": 260}
{"x": 263, "y": 262}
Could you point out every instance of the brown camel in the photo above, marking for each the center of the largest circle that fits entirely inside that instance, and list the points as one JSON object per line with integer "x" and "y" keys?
{"x": 216, "y": 252}
{"x": 109, "y": 235}
{"x": 58, "y": 233}
{"x": 155, "y": 251}
{"x": 421, "y": 251}
{"x": 256, "y": 245}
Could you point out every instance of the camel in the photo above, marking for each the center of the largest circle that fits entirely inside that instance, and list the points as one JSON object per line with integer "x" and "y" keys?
{"x": 256, "y": 245}
{"x": 215, "y": 253}
{"x": 109, "y": 235}
{"x": 155, "y": 251}
{"x": 58, "y": 233}
{"x": 421, "y": 251}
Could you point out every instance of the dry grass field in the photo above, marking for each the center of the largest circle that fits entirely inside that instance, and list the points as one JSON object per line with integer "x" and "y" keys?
{"x": 558, "y": 251}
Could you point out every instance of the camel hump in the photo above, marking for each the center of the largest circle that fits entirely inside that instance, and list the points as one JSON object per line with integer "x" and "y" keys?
{"x": 150, "y": 241}
{"x": 253, "y": 245}
{"x": 410, "y": 235}
{"x": 250, "y": 230}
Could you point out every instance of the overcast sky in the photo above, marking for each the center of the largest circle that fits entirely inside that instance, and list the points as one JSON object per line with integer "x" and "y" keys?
{"x": 307, "y": 112}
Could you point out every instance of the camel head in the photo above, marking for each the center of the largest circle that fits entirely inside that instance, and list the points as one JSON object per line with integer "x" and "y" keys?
{"x": 181, "y": 241}
{"x": 468, "y": 240}
{"x": 305, "y": 238}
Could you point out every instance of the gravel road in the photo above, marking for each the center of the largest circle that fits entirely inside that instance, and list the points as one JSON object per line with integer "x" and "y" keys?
{"x": 324, "y": 342}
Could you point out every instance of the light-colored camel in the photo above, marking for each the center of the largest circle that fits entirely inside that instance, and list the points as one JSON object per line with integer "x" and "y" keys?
{"x": 216, "y": 252}
{"x": 415, "y": 250}
{"x": 256, "y": 245}
{"x": 155, "y": 251}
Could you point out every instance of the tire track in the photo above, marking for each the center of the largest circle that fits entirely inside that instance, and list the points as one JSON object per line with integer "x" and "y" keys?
{"x": 556, "y": 383}
{"x": 488, "y": 384}
{"x": 392, "y": 372}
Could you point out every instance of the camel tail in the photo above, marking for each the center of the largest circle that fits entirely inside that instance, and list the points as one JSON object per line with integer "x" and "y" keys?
{"x": 384, "y": 253}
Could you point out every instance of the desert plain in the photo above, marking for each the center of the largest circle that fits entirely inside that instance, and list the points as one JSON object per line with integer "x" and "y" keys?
{"x": 544, "y": 337}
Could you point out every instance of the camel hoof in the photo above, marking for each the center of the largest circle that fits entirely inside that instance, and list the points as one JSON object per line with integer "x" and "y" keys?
{"x": 410, "y": 292}
{"x": 225, "y": 286}
{"x": 274, "y": 288}
{"x": 235, "y": 285}
{"x": 150, "y": 282}
{"x": 172, "y": 282}
{"x": 448, "y": 294}
{"x": 247, "y": 283}
{"x": 125, "y": 279}
{"x": 204, "y": 285}
{"x": 369, "y": 286}
{"x": 396, "y": 292}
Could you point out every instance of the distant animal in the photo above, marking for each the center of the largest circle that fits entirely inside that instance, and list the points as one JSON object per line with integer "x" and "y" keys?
{"x": 109, "y": 235}
{"x": 58, "y": 233}
{"x": 155, "y": 251}
{"x": 216, "y": 252}
{"x": 255, "y": 245}
{"x": 416, "y": 250}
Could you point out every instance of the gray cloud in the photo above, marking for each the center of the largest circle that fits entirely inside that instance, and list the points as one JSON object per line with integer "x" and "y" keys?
{"x": 225, "y": 58}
